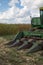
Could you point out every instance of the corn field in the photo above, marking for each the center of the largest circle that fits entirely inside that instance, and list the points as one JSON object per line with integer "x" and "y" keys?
{"x": 11, "y": 29}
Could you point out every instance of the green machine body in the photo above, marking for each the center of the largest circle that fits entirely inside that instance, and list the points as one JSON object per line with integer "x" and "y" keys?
{"x": 38, "y": 21}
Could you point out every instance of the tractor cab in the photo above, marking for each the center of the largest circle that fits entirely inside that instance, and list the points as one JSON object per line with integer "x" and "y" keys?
{"x": 38, "y": 21}
{"x": 35, "y": 22}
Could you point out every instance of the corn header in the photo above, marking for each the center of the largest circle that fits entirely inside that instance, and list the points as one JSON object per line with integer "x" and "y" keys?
{"x": 32, "y": 39}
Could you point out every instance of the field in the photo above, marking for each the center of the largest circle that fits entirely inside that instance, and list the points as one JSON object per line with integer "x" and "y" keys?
{"x": 12, "y": 29}
{"x": 10, "y": 56}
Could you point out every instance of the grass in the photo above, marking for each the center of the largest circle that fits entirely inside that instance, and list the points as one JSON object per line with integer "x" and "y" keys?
{"x": 8, "y": 37}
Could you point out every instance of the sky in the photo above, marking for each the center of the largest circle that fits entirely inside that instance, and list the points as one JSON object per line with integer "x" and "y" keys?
{"x": 19, "y": 11}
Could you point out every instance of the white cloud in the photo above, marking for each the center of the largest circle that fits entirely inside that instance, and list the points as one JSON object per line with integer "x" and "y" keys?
{"x": 38, "y": 3}
{"x": 25, "y": 2}
{"x": 10, "y": 13}
{"x": 23, "y": 20}
{"x": 23, "y": 12}
{"x": 12, "y": 2}
{"x": 7, "y": 14}
{"x": 16, "y": 15}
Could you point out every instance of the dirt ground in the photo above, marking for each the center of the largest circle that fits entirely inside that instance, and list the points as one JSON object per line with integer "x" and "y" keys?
{"x": 10, "y": 56}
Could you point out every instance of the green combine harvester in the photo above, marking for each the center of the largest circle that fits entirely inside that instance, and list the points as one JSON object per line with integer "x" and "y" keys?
{"x": 32, "y": 39}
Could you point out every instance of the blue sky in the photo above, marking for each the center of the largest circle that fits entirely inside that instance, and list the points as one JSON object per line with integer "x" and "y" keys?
{"x": 19, "y": 11}
{"x": 4, "y": 5}
{"x": 19, "y": 4}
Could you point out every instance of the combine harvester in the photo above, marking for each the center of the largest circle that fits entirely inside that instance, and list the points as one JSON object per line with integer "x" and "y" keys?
{"x": 32, "y": 39}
